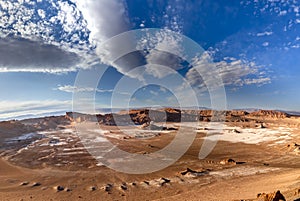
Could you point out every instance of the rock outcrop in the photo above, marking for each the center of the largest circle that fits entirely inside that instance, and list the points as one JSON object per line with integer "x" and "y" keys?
{"x": 145, "y": 116}
{"x": 269, "y": 114}
{"x": 276, "y": 196}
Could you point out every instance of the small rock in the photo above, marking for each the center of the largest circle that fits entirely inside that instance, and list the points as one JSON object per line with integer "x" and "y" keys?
{"x": 262, "y": 125}
{"x": 236, "y": 131}
{"x": 93, "y": 188}
{"x": 108, "y": 188}
{"x": 151, "y": 146}
{"x": 59, "y": 188}
{"x": 164, "y": 181}
{"x": 36, "y": 184}
{"x": 227, "y": 161}
{"x": 124, "y": 187}
{"x": 53, "y": 141}
{"x": 24, "y": 183}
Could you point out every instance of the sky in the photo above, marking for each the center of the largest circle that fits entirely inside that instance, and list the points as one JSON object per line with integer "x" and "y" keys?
{"x": 249, "y": 49}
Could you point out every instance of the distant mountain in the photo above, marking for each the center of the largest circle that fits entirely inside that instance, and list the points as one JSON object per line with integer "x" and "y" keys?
{"x": 194, "y": 108}
{"x": 293, "y": 113}
{"x": 248, "y": 109}
{"x": 32, "y": 116}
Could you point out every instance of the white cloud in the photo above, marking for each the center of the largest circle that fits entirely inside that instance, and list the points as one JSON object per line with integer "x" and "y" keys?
{"x": 257, "y": 81}
{"x": 162, "y": 89}
{"x": 173, "y": 18}
{"x": 267, "y": 33}
{"x": 41, "y": 13}
{"x": 18, "y": 55}
{"x": 35, "y": 108}
{"x": 154, "y": 93}
{"x": 230, "y": 59}
{"x": 84, "y": 25}
{"x": 71, "y": 89}
{"x": 157, "y": 70}
{"x": 104, "y": 18}
{"x": 265, "y": 44}
{"x": 165, "y": 50}
{"x": 30, "y": 41}
{"x": 68, "y": 16}
{"x": 282, "y": 13}
{"x": 233, "y": 73}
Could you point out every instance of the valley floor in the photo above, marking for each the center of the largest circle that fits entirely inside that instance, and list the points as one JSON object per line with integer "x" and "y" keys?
{"x": 247, "y": 160}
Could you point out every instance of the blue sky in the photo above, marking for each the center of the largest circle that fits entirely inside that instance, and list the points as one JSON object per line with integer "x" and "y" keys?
{"x": 254, "y": 46}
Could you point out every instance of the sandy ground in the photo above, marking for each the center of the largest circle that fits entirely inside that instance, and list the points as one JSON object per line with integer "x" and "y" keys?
{"x": 264, "y": 163}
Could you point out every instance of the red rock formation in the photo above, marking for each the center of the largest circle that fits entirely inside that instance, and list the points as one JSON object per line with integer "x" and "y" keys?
{"x": 269, "y": 114}
{"x": 141, "y": 116}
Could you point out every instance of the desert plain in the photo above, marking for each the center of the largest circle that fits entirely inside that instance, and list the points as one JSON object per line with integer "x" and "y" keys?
{"x": 256, "y": 157}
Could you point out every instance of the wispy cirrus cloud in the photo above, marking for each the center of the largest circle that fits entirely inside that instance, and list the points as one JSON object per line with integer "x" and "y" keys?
{"x": 266, "y": 33}
{"x": 72, "y": 89}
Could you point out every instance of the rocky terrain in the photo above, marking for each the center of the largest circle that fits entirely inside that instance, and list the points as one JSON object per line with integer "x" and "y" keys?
{"x": 256, "y": 156}
{"x": 141, "y": 116}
